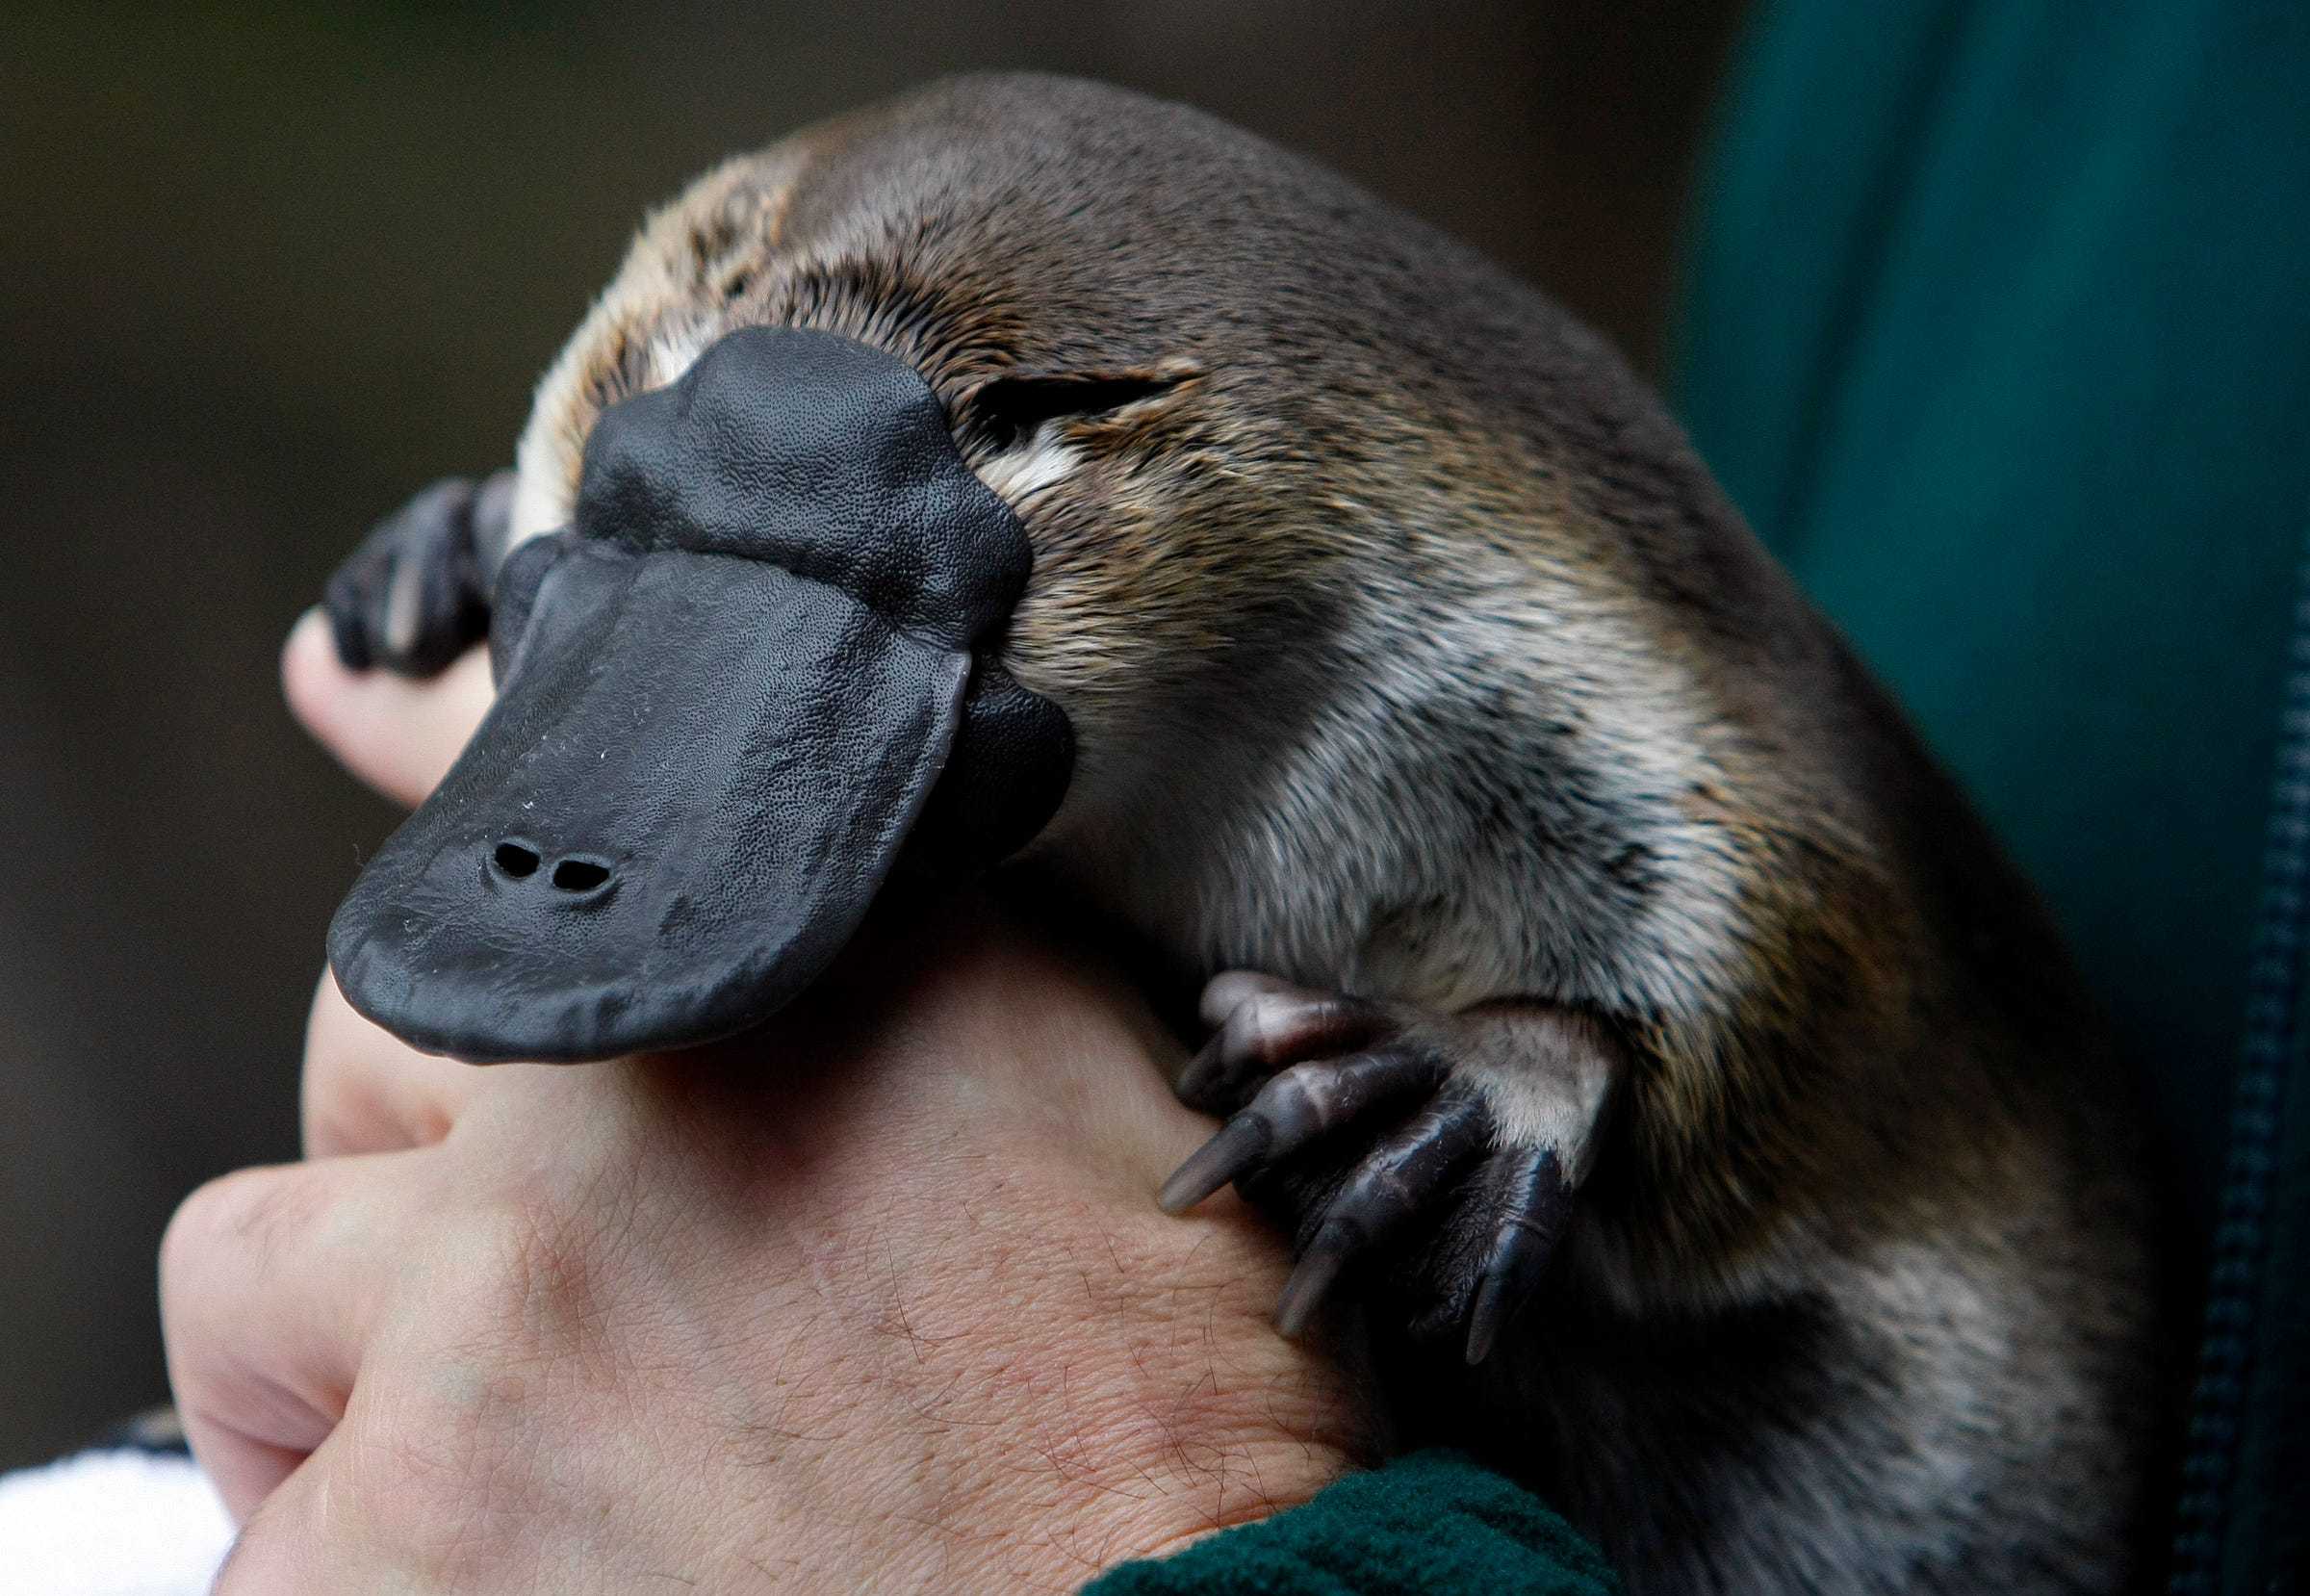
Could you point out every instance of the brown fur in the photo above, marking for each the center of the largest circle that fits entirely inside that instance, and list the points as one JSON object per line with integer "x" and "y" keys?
{"x": 1401, "y": 549}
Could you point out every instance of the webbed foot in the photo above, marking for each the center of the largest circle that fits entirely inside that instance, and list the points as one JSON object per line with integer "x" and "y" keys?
{"x": 416, "y": 594}
{"x": 1442, "y": 1150}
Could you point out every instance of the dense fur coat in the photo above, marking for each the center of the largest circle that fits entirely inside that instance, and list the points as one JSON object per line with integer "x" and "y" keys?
{"x": 1412, "y": 655}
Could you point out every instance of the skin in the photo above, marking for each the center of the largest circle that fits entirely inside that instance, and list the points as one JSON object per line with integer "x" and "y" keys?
{"x": 874, "y": 1299}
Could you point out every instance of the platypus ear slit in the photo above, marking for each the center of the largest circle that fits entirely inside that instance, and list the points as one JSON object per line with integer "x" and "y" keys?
{"x": 1005, "y": 412}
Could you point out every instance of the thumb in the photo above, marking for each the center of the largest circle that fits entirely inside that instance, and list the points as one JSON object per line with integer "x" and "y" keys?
{"x": 397, "y": 735}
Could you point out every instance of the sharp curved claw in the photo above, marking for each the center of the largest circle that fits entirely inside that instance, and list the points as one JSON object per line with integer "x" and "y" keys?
{"x": 1492, "y": 1309}
{"x": 1293, "y": 1109}
{"x": 1199, "y": 1084}
{"x": 1312, "y": 1275}
{"x": 1239, "y": 1145}
{"x": 1533, "y": 1199}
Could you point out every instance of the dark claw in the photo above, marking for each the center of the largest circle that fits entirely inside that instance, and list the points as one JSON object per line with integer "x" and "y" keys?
{"x": 1452, "y": 1225}
{"x": 1242, "y": 1144}
{"x": 1531, "y": 1200}
{"x": 1312, "y": 1276}
{"x": 1294, "y": 1109}
{"x": 416, "y": 594}
{"x": 1268, "y": 1026}
{"x": 1401, "y": 1177}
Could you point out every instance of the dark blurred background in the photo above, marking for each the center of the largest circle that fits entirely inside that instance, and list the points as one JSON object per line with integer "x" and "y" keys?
{"x": 267, "y": 270}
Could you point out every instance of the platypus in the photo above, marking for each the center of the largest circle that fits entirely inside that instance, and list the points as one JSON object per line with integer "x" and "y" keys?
{"x": 1665, "y": 1078}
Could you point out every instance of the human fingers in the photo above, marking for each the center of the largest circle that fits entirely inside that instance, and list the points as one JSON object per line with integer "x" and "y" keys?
{"x": 397, "y": 735}
{"x": 367, "y": 1091}
{"x": 270, "y": 1283}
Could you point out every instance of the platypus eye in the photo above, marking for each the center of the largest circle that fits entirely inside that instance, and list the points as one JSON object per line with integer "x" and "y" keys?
{"x": 1006, "y": 411}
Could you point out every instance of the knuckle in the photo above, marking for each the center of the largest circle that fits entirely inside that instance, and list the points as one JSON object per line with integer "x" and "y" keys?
{"x": 248, "y": 1209}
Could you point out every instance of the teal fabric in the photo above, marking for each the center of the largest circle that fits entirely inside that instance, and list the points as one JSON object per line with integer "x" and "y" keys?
{"x": 1998, "y": 329}
{"x": 1431, "y": 1523}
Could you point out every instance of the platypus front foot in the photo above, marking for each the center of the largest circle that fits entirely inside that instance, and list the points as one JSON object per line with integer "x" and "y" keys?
{"x": 1437, "y": 1151}
{"x": 416, "y": 594}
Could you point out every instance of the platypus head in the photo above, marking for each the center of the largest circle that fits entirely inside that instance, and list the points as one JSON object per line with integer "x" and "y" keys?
{"x": 1020, "y": 466}
{"x": 757, "y": 663}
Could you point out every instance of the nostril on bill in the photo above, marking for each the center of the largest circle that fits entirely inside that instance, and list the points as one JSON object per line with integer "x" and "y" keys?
{"x": 515, "y": 859}
{"x": 580, "y": 875}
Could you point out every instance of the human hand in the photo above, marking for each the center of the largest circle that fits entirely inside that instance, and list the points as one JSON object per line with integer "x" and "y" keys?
{"x": 876, "y": 1298}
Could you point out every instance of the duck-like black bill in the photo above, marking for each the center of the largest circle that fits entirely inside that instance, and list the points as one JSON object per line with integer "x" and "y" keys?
{"x": 725, "y": 697}
{"x": 670, "y": 823}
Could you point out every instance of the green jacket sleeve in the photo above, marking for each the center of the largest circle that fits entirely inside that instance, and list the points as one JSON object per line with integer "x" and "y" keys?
{"x": 1432, "y": 1524}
